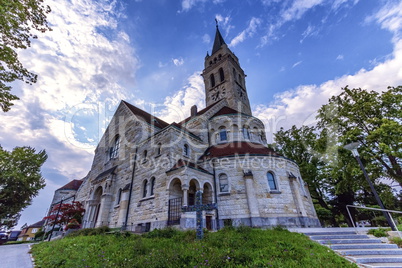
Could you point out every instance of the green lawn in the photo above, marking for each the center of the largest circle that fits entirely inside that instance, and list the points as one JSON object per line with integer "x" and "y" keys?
{"x": 242, "y": 247}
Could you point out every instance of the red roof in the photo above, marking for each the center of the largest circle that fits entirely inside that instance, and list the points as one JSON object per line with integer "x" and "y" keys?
{"x": 150, "y": 119}
{"x": 237, "y": 148}
{"x": 72, "y": 185}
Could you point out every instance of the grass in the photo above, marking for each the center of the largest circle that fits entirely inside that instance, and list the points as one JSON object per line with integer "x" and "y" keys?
{"x": 229, "y": 247}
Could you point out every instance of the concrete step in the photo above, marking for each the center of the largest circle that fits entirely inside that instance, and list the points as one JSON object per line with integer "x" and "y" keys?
{"x": 349, "y": 241}
{"x": 368, "y": 259}
{"x": 329, "y": 237}
{"x": 382, "y": 265}
{"x": 363, "y": 246}
{"x": 359, "y": 252}
{"x": 330, "y": 233}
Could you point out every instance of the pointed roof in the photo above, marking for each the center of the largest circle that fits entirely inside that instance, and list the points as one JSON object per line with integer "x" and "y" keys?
{"x": 150, "y": 119}
{"x": 72, "y": 185}
{"x": 218, "y": 41}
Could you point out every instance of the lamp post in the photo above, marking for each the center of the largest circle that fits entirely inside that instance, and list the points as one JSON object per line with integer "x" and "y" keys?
{"x": 353, "y": 147}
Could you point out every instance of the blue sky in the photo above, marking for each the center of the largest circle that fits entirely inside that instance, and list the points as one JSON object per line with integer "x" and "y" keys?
{"x": 296, "y": 54}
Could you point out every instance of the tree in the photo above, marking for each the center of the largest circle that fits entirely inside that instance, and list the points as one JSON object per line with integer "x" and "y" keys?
{"x": 66, "y": 214}
{"x": 20, "y": 181}
{"x": 18, "y": 19}
{"x": 373, "y": 119}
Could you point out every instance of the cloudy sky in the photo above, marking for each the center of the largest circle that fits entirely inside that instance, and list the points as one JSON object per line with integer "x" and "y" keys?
{"x": 296, "y": 54}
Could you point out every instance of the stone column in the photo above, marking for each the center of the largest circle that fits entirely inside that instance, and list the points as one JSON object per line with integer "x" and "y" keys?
{"x": 104, "y": 209}
{"x": 298, "y": 199}
{"x": 185, "y": 188}
{"x": 122, "y": 208}
{"x": 251, "y": 199}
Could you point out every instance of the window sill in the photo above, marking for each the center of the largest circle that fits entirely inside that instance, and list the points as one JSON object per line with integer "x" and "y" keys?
{"x": 147, "y": 198}
{"x": 275, "y": 192}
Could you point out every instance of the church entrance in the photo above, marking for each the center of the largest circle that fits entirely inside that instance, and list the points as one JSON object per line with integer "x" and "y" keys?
{"x": 208, "y": 222}
{"x": 175, "y": 202}
{"x": 174, "y": 211}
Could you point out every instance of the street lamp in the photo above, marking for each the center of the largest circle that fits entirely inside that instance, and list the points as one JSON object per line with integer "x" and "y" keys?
{"x": 353, "y": 147}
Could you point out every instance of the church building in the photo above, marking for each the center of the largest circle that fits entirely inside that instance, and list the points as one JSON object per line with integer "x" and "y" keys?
{"x": 146, "y": 170}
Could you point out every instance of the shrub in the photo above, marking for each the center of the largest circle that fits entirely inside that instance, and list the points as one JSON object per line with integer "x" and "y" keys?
{"x": 89, "y": 231}
{"x": 380, "y": 232}
{"x": 168, "y": 232}
{"x": 396, "y": 240}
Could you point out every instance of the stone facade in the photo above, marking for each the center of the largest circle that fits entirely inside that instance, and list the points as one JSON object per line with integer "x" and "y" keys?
{"x": 145, "y": 170}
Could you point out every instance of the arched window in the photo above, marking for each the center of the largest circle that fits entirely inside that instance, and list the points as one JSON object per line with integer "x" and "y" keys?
{"x": 159, "y": 150}
{"x": 223, "y": 183}
{"x": 223, "y": 136}
{"x": 152, "y": 186}
{"x": 240, "y": 80}
{"x": 145, "y": 155}
{"x": 186, "y": 151}
{"x": 271, "y": 181}
{"x": 114, "y": 150}
{"x": 212, "y": 80}
{"x": 145, "y": 188}
{"x": 221, "y": 74}
{"x": 246, "y": 132}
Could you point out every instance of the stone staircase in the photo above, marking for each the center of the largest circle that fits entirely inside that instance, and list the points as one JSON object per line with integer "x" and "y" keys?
{"x": 357, "y": 246}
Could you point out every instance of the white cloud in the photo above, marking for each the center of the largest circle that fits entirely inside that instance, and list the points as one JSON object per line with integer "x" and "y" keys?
{"x": 299, "y": 106}
{"x": 310, "y": 31}
{"x": 78, "y": 66}
{"x": 390, "y": 18}
{"x": 224, "y": 23}
{"x": 340, "y": 57}
{"x": 248, "y": 32}
{"x": 297, "y": 63}
{"x": 298, "y": 8}
{"x": 177, "y": 107}
{"x": 206, "y": 39}
{"x": 178, "y": 61}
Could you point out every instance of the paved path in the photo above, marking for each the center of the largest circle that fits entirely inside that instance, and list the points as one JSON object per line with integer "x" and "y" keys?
{"x": 15, "y": 256}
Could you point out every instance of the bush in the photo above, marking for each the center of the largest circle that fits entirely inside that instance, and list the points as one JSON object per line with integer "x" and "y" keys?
{"x": 90, "y": 231}
{"x": 396, "y": 240}
{"x": 380, "y": 232}
{"x": 168, "y": 232}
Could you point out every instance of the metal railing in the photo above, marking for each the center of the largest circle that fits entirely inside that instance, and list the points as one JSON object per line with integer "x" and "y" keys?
{"x": 377, "y": 209}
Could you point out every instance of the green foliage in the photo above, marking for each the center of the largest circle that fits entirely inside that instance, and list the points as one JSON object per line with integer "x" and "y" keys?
{"x": 372, "y": 118}
{"x": 19, "y": 242}
{"x": 334, "y": 177}
{"x": 20, "y": 181}
{"x": 19, "y": 20}
{"x": 229, "y": 247}
{"x": 396, "y": 240}
{"x": 90, "y": 231}
{"x": 380, "y": 232}
{"x": 39, "y": 235}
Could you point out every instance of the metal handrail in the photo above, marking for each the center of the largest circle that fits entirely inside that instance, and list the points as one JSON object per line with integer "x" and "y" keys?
{"x": 378, "y": 209}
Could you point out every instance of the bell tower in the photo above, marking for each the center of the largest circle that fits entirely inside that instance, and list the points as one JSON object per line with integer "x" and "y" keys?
{"x": 224, "y": 78}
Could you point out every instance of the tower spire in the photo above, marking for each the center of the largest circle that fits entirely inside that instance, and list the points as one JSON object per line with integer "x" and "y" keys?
{"x": 218, "y": 39}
